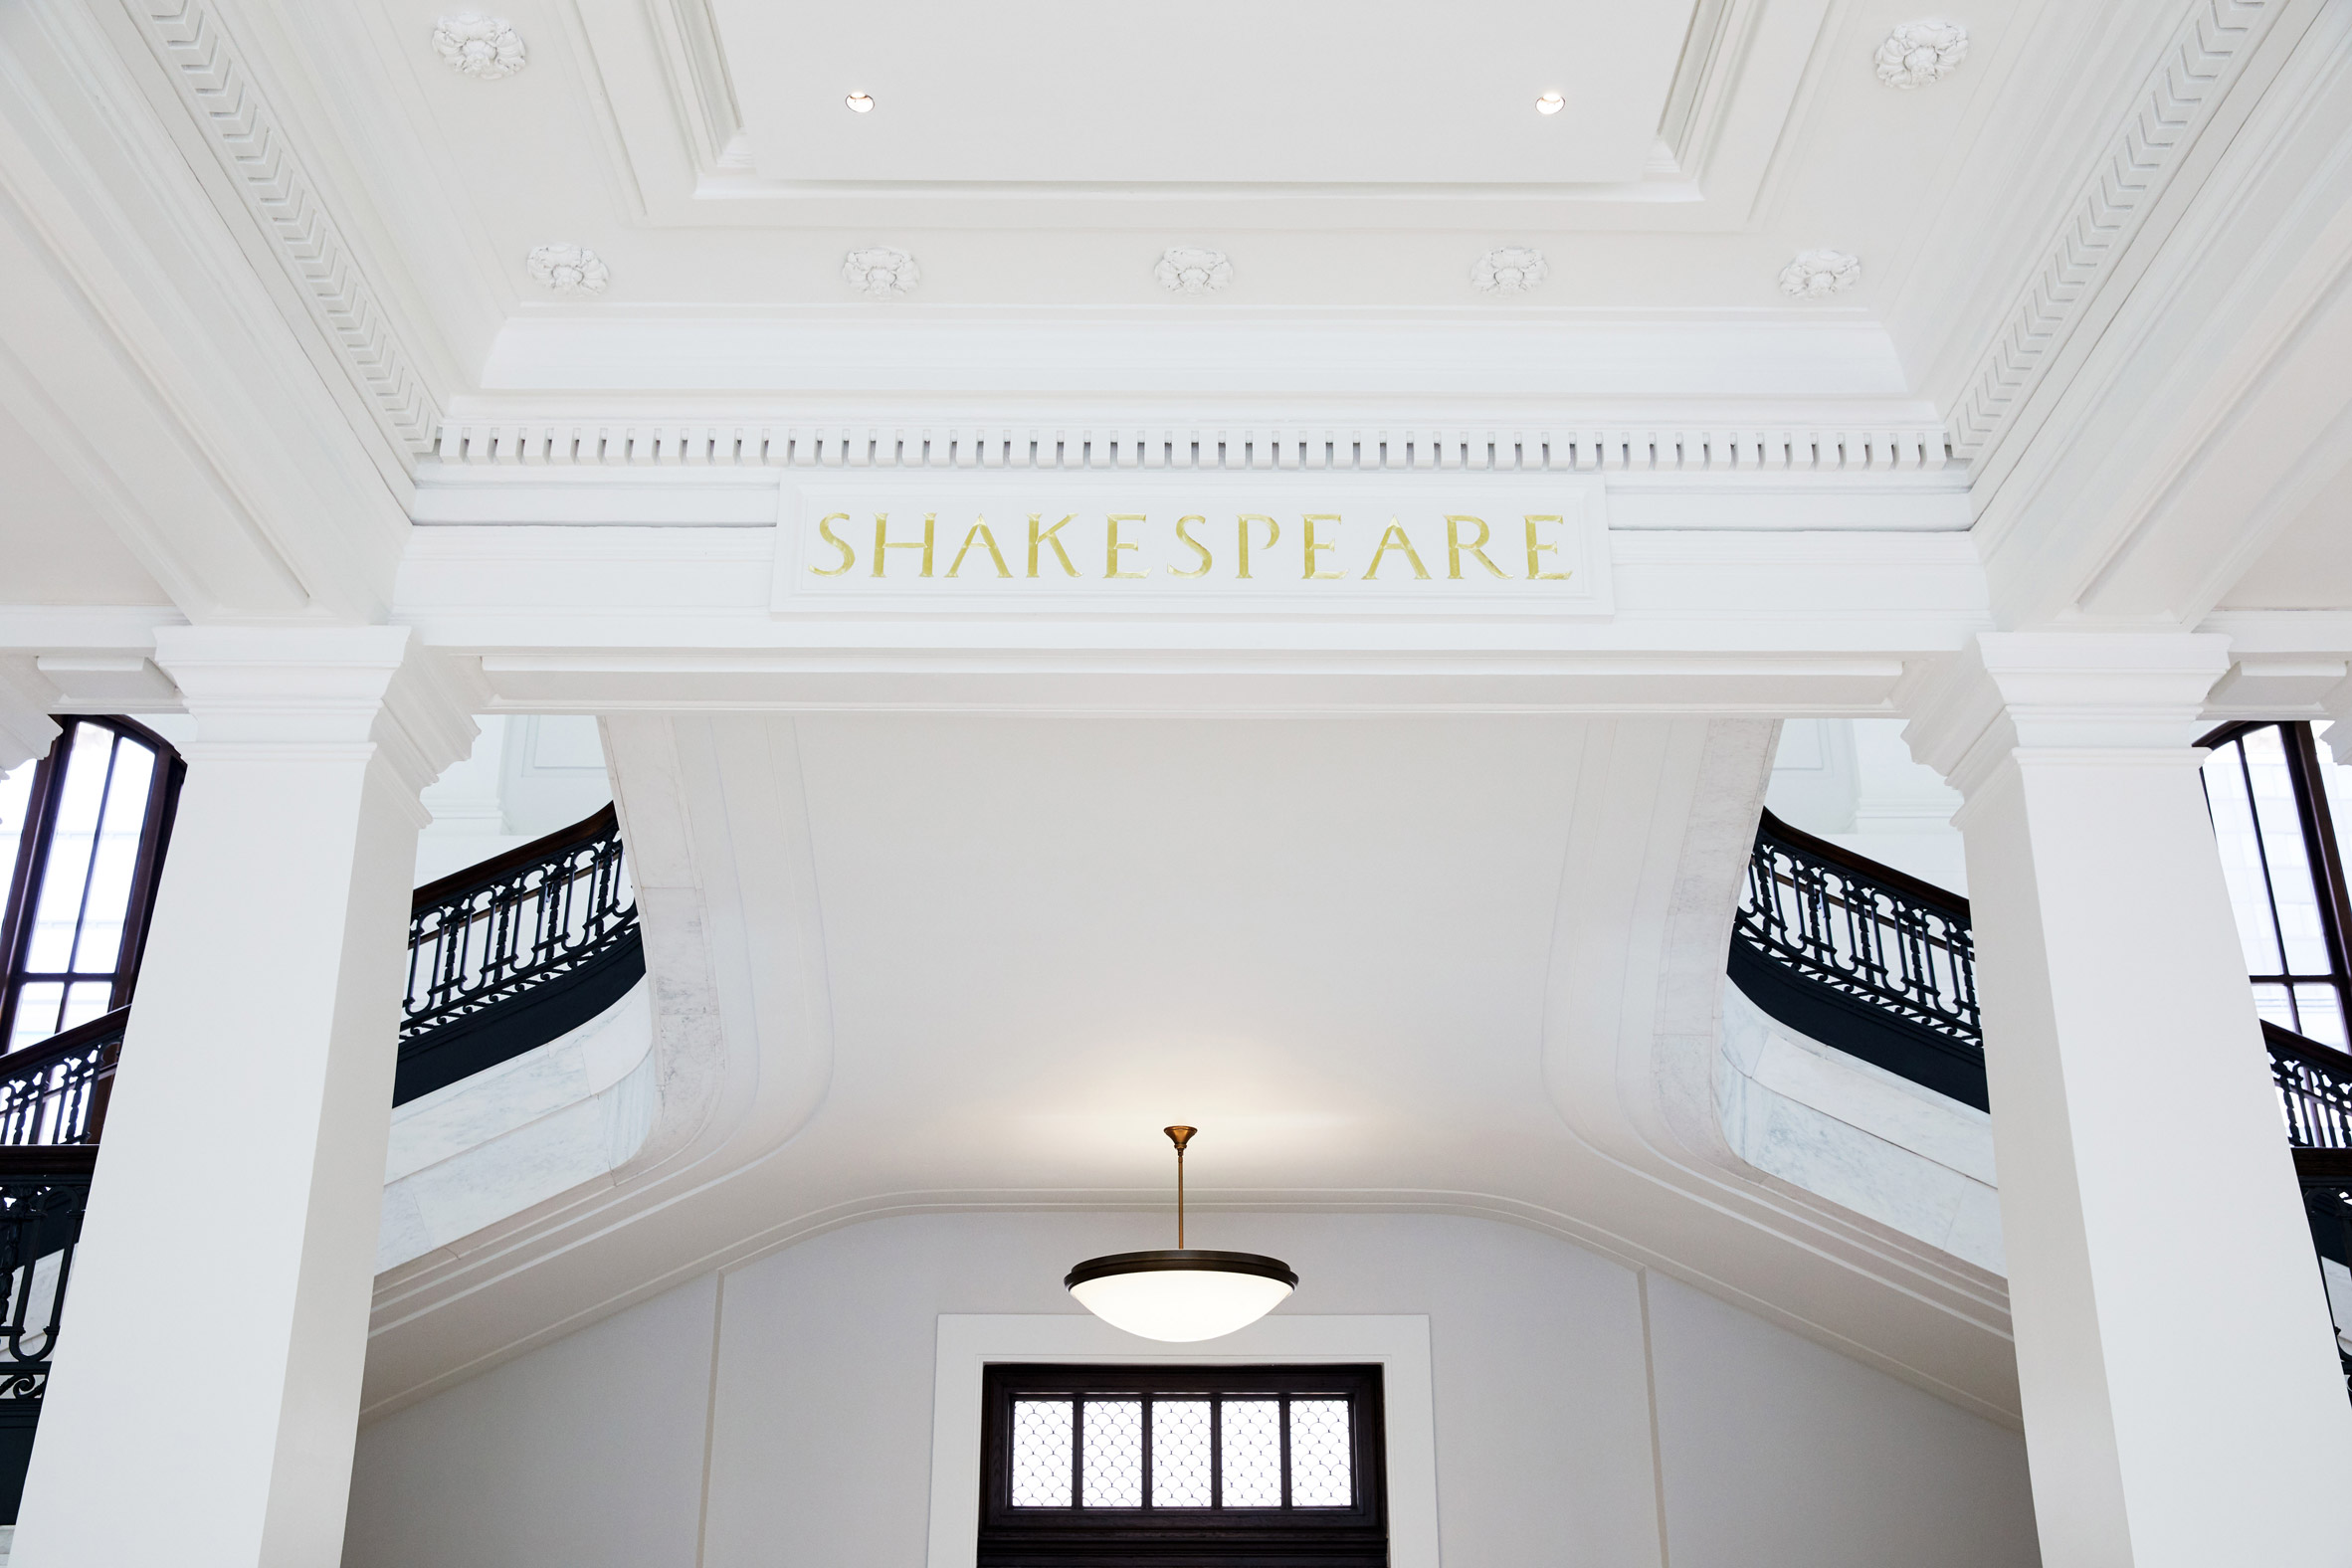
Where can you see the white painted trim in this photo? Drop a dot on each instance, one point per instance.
(1881, 442)
(1400, 1345)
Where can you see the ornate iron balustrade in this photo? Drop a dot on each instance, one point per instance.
(2314, 1088)
(506, 955)
(2314, 1084)
(1861, 957)
(56, 1092)
(53, 1107)
(43, 1194)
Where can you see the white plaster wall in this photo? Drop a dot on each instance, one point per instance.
(1852, 782)
(1778, 1454)
(584, 1454)
(810, 1402)
(526, 776)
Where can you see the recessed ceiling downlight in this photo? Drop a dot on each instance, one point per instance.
(861, 102)
(1183, 1294)
(1550, 103)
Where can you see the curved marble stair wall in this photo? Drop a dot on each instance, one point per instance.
(1829, 1124)
(563, 1115)
(1857, 1135)
(567, 1114)
(499, 1143)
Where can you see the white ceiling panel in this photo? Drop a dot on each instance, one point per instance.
(1223, 92)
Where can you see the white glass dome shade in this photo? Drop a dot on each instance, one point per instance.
(1183, 1294)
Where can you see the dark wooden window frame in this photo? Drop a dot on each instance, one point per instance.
(32, 859)
(1081, 1538)
(2303, 763)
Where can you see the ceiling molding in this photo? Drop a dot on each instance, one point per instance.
(1898, 445)
(672, 124)
(697, 64)
(2197, 65)
(217, 85)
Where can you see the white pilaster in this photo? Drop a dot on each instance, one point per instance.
(207, 1388)
(2182, 1401)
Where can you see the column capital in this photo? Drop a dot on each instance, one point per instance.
(25, 729)
(2338, 733)
(2114, 691)
(319, 691)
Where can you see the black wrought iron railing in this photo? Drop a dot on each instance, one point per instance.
(43, 1194)
(508, 955)
(2314, 1088)
(1861, 957)
(54, 1092)
(53, 1107)
(2314, 1084)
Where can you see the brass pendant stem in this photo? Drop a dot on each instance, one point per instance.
(1179, 1136)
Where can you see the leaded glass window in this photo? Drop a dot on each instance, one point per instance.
(2268, 788)
(1084, 1464)
(82, 836)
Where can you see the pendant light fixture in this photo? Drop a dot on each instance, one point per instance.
(1184, 1294)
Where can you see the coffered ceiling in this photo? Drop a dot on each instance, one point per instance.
(1056, 93)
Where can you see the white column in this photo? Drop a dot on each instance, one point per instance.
(206, 1394)
(2182, 1401)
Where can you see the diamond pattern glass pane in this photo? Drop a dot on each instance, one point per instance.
(1250, 1431)
(1320, 1456)
(1111, 1469)
(1041, 1453)
(1180, 1454)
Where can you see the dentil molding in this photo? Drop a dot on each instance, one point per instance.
(881, 271)
(1919, 52)
(2158, 127)
(568, 268)
(244, 134)
(1183, 270)
(1815, 274)
(1511, 269)
(1905, 448)
(482, 48)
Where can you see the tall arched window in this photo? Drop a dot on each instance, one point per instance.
(2276, 798)
(82, 837)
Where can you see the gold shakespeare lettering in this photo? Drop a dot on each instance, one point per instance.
(1036, 539)
(883, 544)
(848, 557)
(1113, 544)
(1315, 546)
(1273, 532)
(1194, 545)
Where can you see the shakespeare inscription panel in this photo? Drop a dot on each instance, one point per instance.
(1161, 546)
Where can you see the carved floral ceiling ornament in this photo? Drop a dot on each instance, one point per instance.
(1514, 269)
(1183, 270)
(1918, 53)
(1815, 274)
(566, 268)
(484, 48)
(881, 272)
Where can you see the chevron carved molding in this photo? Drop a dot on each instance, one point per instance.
(214, 82)
(2188, 81)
